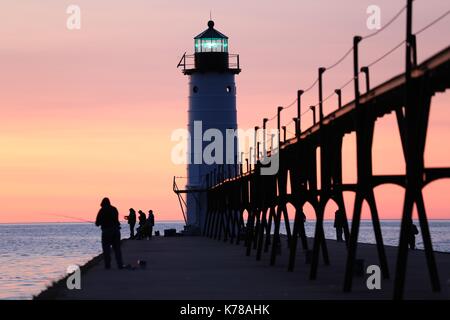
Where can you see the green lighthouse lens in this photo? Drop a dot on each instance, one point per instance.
(211, 45)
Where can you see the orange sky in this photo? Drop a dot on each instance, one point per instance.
(89, 113)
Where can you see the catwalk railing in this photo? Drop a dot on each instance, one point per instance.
(265, 197)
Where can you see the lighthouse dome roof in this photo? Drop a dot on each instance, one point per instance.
(211, 33)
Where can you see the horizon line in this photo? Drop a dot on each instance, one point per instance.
(181, 221)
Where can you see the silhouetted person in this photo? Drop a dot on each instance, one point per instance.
(108, 220)
(132, 222)
(302, 224)
(141, 229)
(339, 225)
(412, 236)
(302, 231)
(150, 223)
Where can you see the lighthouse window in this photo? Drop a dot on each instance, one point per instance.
(211, 45)
(195, 89)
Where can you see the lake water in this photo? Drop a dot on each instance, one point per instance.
(34, 255)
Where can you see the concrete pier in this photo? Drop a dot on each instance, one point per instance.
(202, 268)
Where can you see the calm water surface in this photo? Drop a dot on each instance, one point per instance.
(34, 255)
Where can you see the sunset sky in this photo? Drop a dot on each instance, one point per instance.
(89, 113)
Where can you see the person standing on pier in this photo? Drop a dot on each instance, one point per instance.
(412, 236)
(150, 224)
(339, 225)
(302, 231)
(142, 222)
(132, 222)
(108, 220)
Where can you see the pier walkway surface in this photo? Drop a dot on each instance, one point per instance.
(194, 268)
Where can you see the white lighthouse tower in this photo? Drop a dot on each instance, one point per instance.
(212, 105)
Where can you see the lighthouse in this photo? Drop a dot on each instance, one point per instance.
(212, 109)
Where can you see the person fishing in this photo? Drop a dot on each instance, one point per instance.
(150, 223)
(141, 228)
(108, 220)
(131, 218)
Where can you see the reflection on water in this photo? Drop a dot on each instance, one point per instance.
(34, 255)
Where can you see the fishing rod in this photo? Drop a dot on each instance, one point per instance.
(70, 217)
